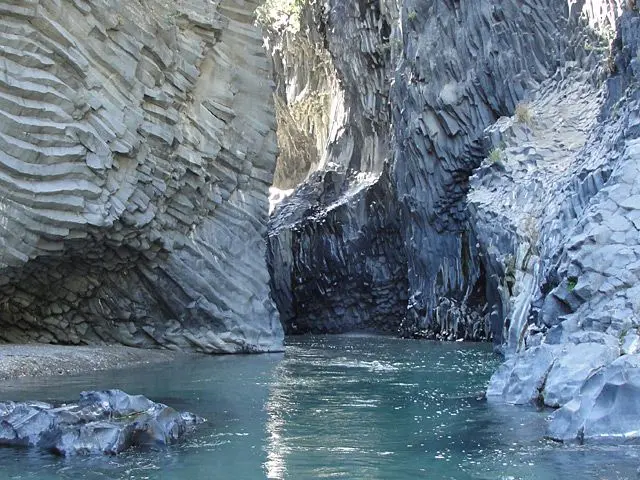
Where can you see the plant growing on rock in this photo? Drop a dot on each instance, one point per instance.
(496, 155)
(412, 16)
(523, 114)
(273, 13)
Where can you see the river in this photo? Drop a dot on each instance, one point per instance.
(347, 407)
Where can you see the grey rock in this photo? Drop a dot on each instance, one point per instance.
(359, 283)
(137, 146)
(572, 367)
(607, 408)
(105, 422)
(521, 380)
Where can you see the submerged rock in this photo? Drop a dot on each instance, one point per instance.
(104, 422)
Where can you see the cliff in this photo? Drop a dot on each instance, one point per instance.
(495, 143)
(137, 146)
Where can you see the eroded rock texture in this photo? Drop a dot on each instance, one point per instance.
(137, 146)
(106, 422)
(418, 84)
(564, 192)
(512, 190)
(337, 257)
(335, 249)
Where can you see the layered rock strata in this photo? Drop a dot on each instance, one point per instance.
(137, 145)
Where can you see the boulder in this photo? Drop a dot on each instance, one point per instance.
(102, 422)
(607, 408)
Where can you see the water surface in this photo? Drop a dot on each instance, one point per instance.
(350, 407)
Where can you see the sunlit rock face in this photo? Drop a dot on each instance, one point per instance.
(137, 145)
(335, 250)
(563, 191)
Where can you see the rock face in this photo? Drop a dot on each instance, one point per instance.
(106, 422)
(335, 249)
(418, 84)
(336, 256)
(607, 408)
(562, 189)
(137, 145)
(505, 149)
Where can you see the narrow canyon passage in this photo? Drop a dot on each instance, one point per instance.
(206, 176)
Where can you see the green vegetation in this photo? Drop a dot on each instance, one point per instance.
(280, 12)
(496, 155)
(571, 283)
(412, 15)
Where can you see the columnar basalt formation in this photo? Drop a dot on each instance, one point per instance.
(137, 145)
(335, 250)
(512, 185)
(574, 318)
(336, 256)
(419, 82)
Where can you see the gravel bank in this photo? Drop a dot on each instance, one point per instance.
(34, 360)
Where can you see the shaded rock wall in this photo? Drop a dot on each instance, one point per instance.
(137, 146)
(336, 256)
(511, 196)
(335, 252)
(419, 82)
(464, 64)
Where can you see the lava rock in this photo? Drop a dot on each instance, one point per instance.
(607, 408)
(102, 422)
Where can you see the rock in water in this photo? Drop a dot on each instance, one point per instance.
(607, 408)
(137, 147)
(105, 422)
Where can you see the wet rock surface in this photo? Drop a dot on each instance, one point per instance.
(106, 422)
(137, 146)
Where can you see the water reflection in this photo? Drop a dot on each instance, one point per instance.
(332, 407)
(381, 408)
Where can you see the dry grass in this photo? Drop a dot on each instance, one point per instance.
(523, 114)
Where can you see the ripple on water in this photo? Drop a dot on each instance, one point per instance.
(374, 408)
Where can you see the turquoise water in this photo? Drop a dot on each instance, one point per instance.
(346, 407)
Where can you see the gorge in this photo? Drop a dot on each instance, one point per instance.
(439, 169)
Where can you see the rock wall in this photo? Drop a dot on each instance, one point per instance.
(419, 82)
(137, 145)
(572, 338)
(335, 250)
(336, 256)
(464, 65)
(508, 205)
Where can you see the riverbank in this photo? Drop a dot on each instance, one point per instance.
(37, 360)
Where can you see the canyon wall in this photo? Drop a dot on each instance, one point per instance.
(500, 156)
(137, 146)
(418, 82)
